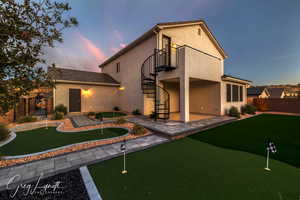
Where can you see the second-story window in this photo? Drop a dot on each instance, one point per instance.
(118, 67)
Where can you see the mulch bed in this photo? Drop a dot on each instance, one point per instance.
(69, 127)
(70, 186)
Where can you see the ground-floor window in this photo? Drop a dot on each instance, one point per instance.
(234, 93)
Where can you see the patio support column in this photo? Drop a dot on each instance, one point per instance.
(184, 90)
(184, 100)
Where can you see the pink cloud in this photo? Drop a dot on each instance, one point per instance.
(116, 49)
(122, 45)
(92, 48)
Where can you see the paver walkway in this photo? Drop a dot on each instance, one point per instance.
(81, 121)
(51, 166)
(176, 128)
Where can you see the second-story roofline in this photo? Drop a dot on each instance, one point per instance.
(159, 27)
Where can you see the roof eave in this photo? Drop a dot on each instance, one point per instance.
(87, 83)
(136, 42)
(237, 80)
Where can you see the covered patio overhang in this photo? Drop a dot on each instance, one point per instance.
(195, 100)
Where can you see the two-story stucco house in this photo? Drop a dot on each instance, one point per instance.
(175, 70)
(175, 67)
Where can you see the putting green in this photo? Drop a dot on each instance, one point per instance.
(43, 139)
(192, 169)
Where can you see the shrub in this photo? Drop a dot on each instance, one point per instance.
(58, 116)
(91, 114)
(61, 108)
(234, 112)
(136, 112)
(248, 109)
(27, 119)
(261, 104)
(152, 115)
(138, 130)
(116, 108)
(121, 121)
(99, 115)
(4, 132)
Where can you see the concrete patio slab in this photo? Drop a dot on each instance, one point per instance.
(172, 129)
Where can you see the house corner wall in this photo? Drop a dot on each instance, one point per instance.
(132, 96)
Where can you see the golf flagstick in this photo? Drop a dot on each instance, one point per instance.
(123, 149)
(46, 119)
(101, 118)
(124, 158)
(270, 148)
(267, 167)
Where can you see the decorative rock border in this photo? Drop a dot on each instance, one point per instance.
(89, 184)
(75, 147)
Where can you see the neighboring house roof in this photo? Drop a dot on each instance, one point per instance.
(161, 26)
(71, 75)
(276, 92)
(235, 79)
(256, 91)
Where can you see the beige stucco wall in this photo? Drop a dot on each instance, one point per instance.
(200, 65)
(101, 98)
(173, 89)
(227, 105)
(188, 35)
(130, 76)
(205, 97)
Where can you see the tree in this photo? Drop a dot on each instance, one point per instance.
(26, 28)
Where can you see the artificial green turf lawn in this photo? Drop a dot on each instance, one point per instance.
(191, 169)
(44, 139)
(112, 114)
(251, 134)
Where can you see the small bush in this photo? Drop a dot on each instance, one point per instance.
(136, 112)
(248, 109)
(58, 116)
(234, 112)
(4, 132)
(121, 121)
(91, 114)
(138, 130)
(27, 119)
(61, 108)
(99, 115)
(116, 108)
(152, 115)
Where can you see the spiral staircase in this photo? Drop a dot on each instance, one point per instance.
(158, 62)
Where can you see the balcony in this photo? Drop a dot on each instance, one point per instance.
(191, 62)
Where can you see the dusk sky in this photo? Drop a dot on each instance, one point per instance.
(261, 37)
